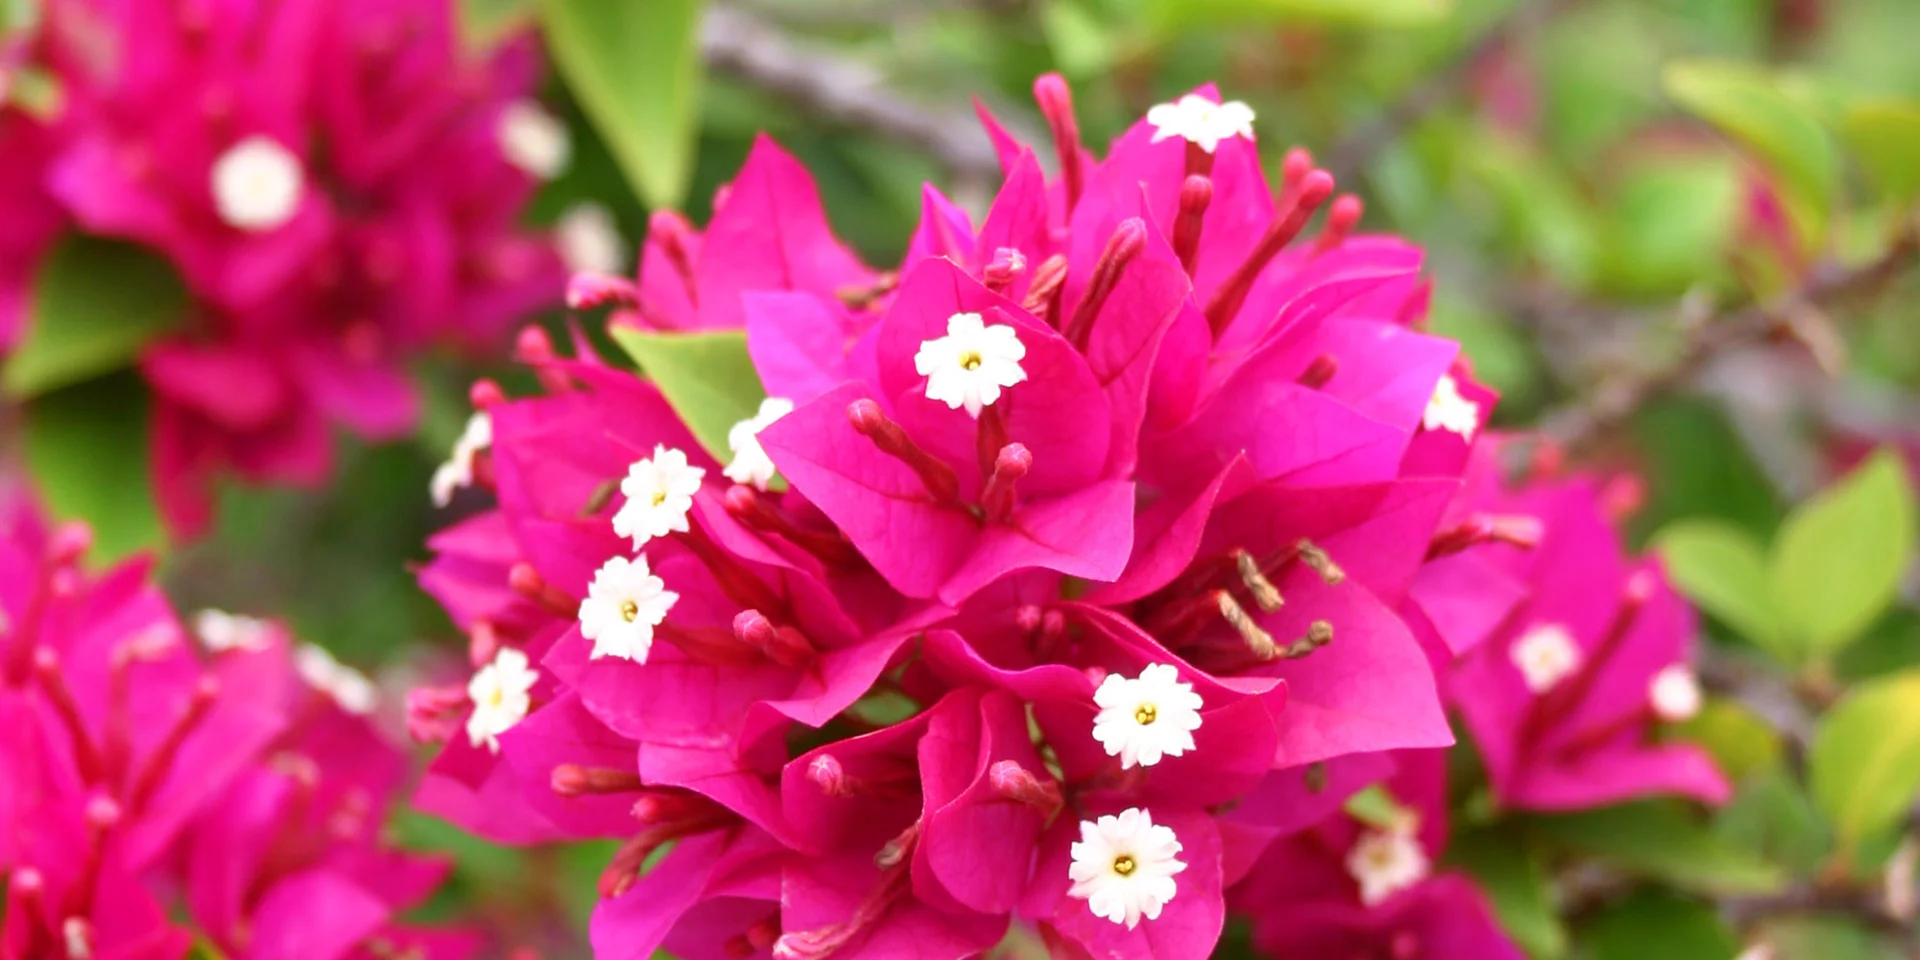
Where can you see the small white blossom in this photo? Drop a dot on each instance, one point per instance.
(533, 139)
(624, 603)
(750, 462)
(1448, 410)
(257, 184)
(1675, 693)
(1124, 865)
(1385, 862)
(502, 694)
(1143, 719)
(220, 631)
(457, 472)
(589, 241)
(348, 687)
(78, 935)
(971, 364)
(1546, 655)
(1200, 121)
(659, 492)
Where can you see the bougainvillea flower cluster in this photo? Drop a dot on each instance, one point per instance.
(1068, 580)
(161, 784)
(271, 153)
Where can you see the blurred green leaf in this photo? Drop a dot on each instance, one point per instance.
(1181, 14)
(636, 70)
(485, 23)
(1772, 817)
(1740, 741)
(1518, 886)
(1839, 557)
(1750, 105)
(1697, 466)
(1884, 136)
(1663, 839)
(1376, 807)
(707, 378)
(1864, 764)
(94, 304)
(1671, 221)
(1825, 938)
(1545, 214)
(1721, 568)
(1655, 925)
(86, 447)
(1082, 41)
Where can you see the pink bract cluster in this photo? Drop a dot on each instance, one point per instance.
(160, 786)
(336, 182)
(1068, 582)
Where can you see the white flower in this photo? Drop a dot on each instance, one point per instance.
(220, 631)
(1546, 655)
(501, 694)
(1675, 693)
(257, 184)
(589, 241)
(1123, 866)
(1385, 862)
(1142, 719)
(457, 472)
(971, 364)
(533, 139)
(1448, 410)
(1201, 121)
(659, 492)
(348, 687)
(624, 603)
(750, 463)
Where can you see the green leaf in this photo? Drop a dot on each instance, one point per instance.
(1884, 136)
(635, 68)
(1825, 938)
(1181, 14)
(94, 304)
(86, 447)
(1740, 741)
(1838, 560)
(485, 23)
(1864, 764)
(1772, 818)
(707, 378)
(1655, 925)
(1663, 839)
(1671, 221)
(1518, 886)
(1721, 568)
(1376, 807)
(1082, 41)
(1752, 107)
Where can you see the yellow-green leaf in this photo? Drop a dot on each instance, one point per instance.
(1751, 106)
(95, 304)
(635, 68)
(1838, 560)
(1864, 764)
(1884, 136)
(1178, 14)
(1721, 568)
(707, 378)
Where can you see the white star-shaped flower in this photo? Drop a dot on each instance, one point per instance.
(533, 139)
(1145, 718)
(624, 603)
(1201, 121)
(1675, 693)
(659, 492)
(750, 462)
(257, 184)
(348, 687)
(457, 472)
(502, 694)
(971, 364)
(1124, 865)
(589, 241)
(220, 631)
(1546, 655)
(1385, 862)
(1448, 410)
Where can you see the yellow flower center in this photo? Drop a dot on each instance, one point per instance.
(1123, 864)
(629, 610)
(1146, 713)
(659, 497)
(970, 360)
(495, 697)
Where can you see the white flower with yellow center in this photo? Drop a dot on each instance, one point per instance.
(1546, 655)
(257, 184)
(589, 241)
(1200, 121)
(457, 472)
(348, 687)
(1675, 693)
(1123, 866)
(502, 694)
(533, 139)
(750, 462)
(1448, 410)
(624, 603)
(1385, 862)
(659, 492)
(220, 631)
(971, 364)
(1147, 717)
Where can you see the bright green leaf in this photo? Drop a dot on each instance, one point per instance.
(1864, 764)
(1177, 14)
(1376, 807)
(1839, 557)
(1518, 886)
(707, 378)
(1663, 839)
(86, 448)
(1655, 925)
(94, 304)
(1740, 741)
(1721, 568)
(1082, 41)
(635, 68)
(1884, 136)
(1671, 221)
(1752, 107)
